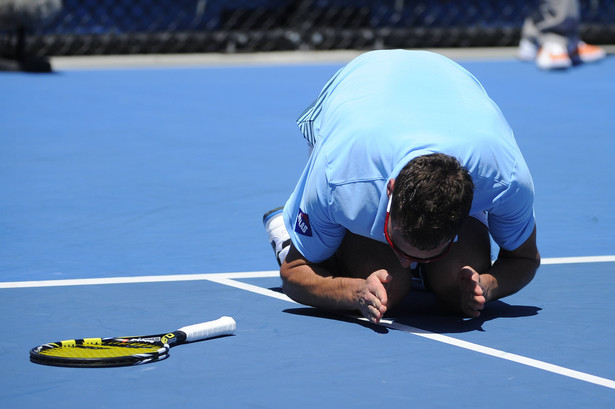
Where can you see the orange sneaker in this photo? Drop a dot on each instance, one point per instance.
(588, 53)
(553, 56)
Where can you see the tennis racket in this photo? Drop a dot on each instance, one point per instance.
(125, 351)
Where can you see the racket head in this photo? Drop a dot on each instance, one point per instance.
(103, 352)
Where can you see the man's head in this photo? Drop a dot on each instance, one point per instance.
(431, 198)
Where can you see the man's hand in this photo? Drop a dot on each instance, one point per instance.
(472, 297)
(372, 298)
(371, 280)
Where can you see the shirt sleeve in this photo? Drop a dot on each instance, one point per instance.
(308, 218)
(512, 219)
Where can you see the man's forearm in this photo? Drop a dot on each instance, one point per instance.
(312, 285)
(512, 270)
(507, 276)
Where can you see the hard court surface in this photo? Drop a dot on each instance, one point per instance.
(131, 203)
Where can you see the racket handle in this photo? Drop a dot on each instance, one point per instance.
(210, 329)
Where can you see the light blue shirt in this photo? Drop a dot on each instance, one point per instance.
(375, 115)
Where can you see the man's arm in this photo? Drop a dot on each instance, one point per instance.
(512, 271)
(312, 284)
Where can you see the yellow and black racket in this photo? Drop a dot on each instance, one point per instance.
(125, 351)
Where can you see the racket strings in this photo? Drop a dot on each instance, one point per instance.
(101, 351)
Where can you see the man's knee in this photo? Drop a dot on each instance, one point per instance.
(360, 256)
(473, 248)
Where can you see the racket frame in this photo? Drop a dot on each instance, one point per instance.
(161, 342)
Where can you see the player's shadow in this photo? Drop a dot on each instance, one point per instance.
(421, 310)
(314, 312)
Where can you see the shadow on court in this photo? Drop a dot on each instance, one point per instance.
(421, 310)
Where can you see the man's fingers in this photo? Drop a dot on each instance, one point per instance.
(382, 297)
(375, 285)
(467, 273)
(378, 305)
(374, 299)
(375, 314)
(381, 293)
(384, 276)
(478, 304)
(473, 300)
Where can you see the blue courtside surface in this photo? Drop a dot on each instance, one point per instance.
(152, 172)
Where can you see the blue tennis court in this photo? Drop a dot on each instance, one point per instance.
(131, 204)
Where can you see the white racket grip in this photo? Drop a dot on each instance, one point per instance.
(210, 329)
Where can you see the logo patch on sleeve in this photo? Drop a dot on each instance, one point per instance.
(302, 225)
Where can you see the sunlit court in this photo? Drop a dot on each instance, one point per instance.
(133, 192)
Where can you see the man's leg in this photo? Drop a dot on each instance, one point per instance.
(360, 256)
(549, 33)
(473, 248)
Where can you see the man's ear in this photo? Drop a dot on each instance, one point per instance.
(390, 187)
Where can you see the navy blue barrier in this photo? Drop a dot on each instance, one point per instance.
(178, 26)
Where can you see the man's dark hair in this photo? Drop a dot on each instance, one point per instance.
(432, 197)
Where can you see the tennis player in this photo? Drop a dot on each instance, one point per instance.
(412, 168)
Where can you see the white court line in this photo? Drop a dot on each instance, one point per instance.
(138, 279)
(229, 280)
(573, 260)
(560, 370)
(252, 288)
(253, 274)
